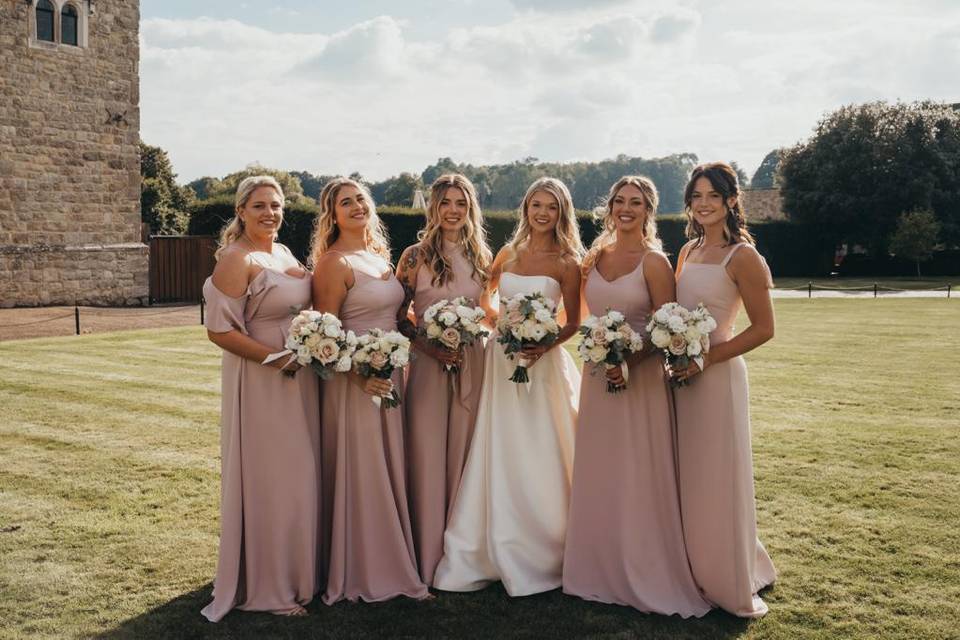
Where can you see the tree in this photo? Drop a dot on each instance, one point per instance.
(442, 166)
(868, 163)
(742, 177)
(203, 187)
(765, 177)
(916, 236)
(399, 191)
(292, 189)
(312, 184)
(163, 203)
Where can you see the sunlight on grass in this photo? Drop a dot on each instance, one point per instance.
(109, 486)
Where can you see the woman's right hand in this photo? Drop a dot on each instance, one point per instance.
(440, 354)
(373, 385)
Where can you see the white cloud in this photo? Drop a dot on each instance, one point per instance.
(557, 80)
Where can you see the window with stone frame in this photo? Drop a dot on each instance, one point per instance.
(45, 13)
(69, 25)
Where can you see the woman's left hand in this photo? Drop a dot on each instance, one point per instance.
(682, 375)
(533, 353)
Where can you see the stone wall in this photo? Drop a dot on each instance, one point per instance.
(69, 161)
(763, 204)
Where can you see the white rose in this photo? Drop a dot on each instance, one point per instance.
(448, 318)
(351, 338)
(312, 340)
(615, 316)
(660, 338)
(303, 354)
(611, 336)
(598, 354)
(343, 364)
(292, 343)
(315, 316)
(591, 322)
(465, 313)
(434, 331)
(691, 334)
(636, 343)
(693, 348)
(361, 356)
(331, 331)
(537, 333)
(676, 324)
(399, 358)
(662, 316)
(542, 315)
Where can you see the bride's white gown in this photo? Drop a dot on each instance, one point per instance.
(510, 516)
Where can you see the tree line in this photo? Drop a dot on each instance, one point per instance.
(875, 178)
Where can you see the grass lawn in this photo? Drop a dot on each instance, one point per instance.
(109, 486)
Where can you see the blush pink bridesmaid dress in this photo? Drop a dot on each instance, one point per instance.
(625, 537)
(715, 457)
(368, 545)
(441, 412)
(270, 457)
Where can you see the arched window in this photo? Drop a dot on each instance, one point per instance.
(45, 20)
(68, 25)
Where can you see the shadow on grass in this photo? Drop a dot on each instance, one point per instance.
(485, 614)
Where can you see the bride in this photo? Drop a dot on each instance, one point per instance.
(510, 516)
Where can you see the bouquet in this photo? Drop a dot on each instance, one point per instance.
(378, 354)
(608, 340)
(318, 340)
(528, 320)
(682, 334)
(451, 324)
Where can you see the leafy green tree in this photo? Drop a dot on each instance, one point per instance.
(312, 184)
(292, 189)
(916, 236)
(434, 171)
(865, 164)
(399, 190)
(203, 187)
(765, 177)
(741, 175)
(163, 203)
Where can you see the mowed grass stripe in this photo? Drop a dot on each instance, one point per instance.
(856, 454)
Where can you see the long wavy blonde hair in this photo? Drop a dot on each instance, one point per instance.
(567, 232)
(608, 231)
(232, 231)
(473, 235)
(326, 231)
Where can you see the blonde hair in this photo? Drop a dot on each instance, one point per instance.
(473, 235)
(567, 232)
(232, 231)
(608, 230)
(326, 231)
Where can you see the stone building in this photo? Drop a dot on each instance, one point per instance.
(69, 156)
(763, 204)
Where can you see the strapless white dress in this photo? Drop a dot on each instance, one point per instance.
(510, 517)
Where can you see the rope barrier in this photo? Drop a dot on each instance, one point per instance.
(24, 324)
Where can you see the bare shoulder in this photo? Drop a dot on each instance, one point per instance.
(657, 263)
(231, 275)
(330, 264)
(747, 257)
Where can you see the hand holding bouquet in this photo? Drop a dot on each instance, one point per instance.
(316, 339)
(683, 335)
(608, 340)
(377, 355)
(452, 324)
(528, 320)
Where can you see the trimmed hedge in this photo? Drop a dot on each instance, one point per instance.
(791, 249)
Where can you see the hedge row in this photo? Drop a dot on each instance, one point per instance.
(790, 249)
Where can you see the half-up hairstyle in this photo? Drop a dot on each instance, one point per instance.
(473, 235)
(567, 232)
(232, 231)
(724, 181)
(608, 230)
(326, 231)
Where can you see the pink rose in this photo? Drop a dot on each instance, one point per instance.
(378, 359)
(327, 351)
(515, 317)
(678, 345)
(599, 335)
(450, 338)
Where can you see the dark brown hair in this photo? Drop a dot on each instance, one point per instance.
(724, 181)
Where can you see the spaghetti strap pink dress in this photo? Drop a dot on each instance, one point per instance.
(625, 537)
(368, 544)
(715, 457)
(441, 412)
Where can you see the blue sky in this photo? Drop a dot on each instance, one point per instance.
(382, 87)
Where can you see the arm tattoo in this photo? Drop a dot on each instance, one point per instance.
(404, 325)
(413, 255)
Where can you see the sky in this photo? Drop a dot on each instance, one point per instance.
(381, 86)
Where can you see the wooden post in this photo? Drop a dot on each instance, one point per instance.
(809, 289)
(874, 289)
(201, 309)
(948, 291)
(76, 317)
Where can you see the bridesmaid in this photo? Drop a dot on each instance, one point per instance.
(452, 259)
(368, 545)
(625, 537)
(720, 267)
(270, 429)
